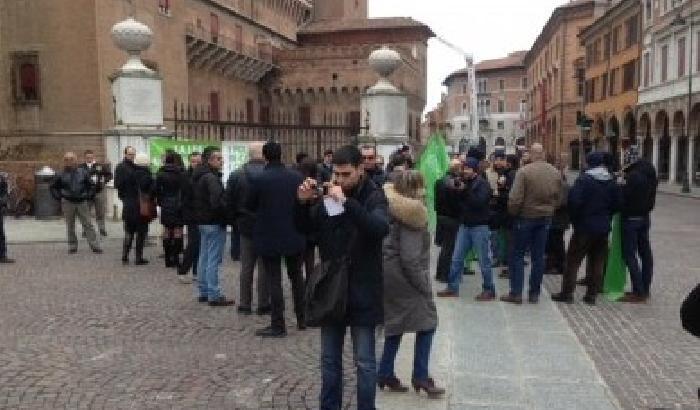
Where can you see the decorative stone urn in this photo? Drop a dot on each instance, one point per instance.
(133, 37)
(384, 61)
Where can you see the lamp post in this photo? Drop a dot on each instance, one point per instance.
(680, 21)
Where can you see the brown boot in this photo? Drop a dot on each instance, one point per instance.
(393, 384)
(447, 294)
(632, 298)
(514, 299)
(486, 296)
(429, 387)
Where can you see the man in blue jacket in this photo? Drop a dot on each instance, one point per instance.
(593, 200)
(473, 194)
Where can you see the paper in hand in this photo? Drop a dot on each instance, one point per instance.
(333, 207)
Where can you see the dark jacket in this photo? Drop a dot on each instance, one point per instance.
(209, 205)
(593, 200)
(237, 191)
(122, 174)
(560, 219)
(188, 198)
(639, 191)
(377, 176)
(272, 198)
(325, 172)
(135, 179)
(3, 193)
(499, 201)
(73, 185)
(447, 210)
(473, 198)
(101, 174)
(366, 218)
(690, 312)
(171, 182)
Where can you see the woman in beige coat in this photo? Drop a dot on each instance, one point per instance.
(408, 294)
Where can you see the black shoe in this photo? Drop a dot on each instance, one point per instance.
(202, 299)
(271, 332)
(221, 302)
(589, 300)
(468, 272)
(301, 325)
(141, 262)
(533, 299)
(7, 260)
(73, 251)
(97, 250)
(245, 310)
(103, 232)
(563, 297)
(582, 282)
(264, 310)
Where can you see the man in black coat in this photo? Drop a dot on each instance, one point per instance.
(369, 163)
(237, 191)
(190, 256)
(271, 198)
(356, 233)
(74, 188)
(639, 199)
(3, 205)
(448, 211)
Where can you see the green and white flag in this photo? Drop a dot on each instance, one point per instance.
(433, 164)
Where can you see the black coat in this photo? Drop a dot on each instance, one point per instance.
(188, 198)
(237, 191)
(73, 185)
(473, 199)
(132, 180)
(592, 204)
(209, 202)
(690, 312)
(365, 217)
(447, 210)
(3, 193)
(378, 176)
(272, 198)
(639, 191)
(325, 173)
(171, 183)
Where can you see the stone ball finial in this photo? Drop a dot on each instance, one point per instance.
(133, 37)
(384, 61)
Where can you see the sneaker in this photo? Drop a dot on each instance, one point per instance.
(221, 302)
(447, 294)
(7, 260)
(486, 296)
(514, 299)
(563, 297)
(184, 279)
(272, 332)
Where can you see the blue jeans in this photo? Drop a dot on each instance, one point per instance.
(476, 237)
(635, 240)
(528, 233)
(421, 355)
(363, 343)
(211, 248)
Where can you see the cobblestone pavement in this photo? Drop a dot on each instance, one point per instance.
(641, 350)
(82, 331)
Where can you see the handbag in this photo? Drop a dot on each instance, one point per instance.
(326, 295)
(148, 209)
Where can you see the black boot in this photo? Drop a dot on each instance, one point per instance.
(178, 246)
(126, 247)
(140, 243)
(168, 249)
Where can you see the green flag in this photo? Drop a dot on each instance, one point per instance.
(433, 165)
(616, 271)
(158, 147)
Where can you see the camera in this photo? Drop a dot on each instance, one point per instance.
(320, 190)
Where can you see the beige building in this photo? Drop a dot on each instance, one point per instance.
(234, 65)
(501, 103)
(555, 75)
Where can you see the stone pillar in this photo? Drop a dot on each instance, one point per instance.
(655, 152)
(384, 107)
(674, 160)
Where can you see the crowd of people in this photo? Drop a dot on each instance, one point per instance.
(354, 238)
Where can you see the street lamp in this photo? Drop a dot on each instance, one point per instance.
(679, 21)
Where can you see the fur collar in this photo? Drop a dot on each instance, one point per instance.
(408, 211)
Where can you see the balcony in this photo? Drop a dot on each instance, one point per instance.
(229, 57)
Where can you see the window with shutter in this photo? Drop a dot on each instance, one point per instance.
(26, 78)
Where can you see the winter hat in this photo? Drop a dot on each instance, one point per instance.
(472, 163)
(631, 156)
(595, 159)
(141, 159)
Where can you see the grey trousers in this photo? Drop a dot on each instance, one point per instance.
(100, 203)
(80, 210)
(248, 261)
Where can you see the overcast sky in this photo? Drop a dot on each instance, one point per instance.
(486, 28)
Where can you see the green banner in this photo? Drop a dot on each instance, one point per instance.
(616, 270)
(433, 164)
(158, 147)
